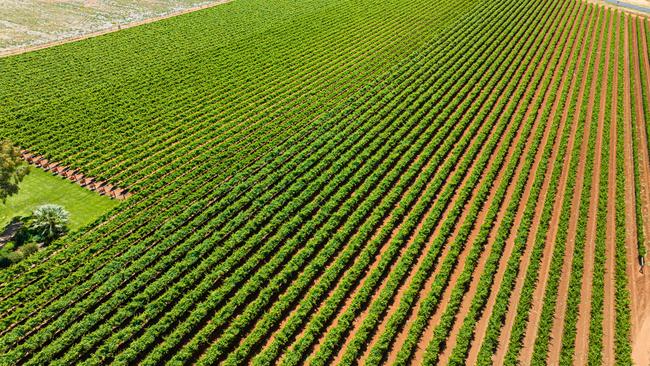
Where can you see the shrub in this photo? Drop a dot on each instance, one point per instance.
(28, 249)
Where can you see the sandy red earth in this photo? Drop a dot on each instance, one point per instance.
(606, 46)
(598, 46)
(640, 281)
(482, 326)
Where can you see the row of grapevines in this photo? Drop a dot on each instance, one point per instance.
(597, 295)
(567, 350)
(622, 324)
(459, 352)
(462, 283)
(525, 302)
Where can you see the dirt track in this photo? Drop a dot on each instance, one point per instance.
(629, 6)
(639, 282)
(610, 247)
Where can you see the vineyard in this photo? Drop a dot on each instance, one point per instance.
(339, 182)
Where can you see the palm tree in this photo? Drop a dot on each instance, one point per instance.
(50, 222)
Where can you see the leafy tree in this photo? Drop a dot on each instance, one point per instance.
(49, 222)
(12, 169)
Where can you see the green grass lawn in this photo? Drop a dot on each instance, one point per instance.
(41, 187)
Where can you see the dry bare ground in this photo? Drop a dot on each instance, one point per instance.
(481, 327)
(639, 282)
(36, 24)
(637, 7)
(610, 248)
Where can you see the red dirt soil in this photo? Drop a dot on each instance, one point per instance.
(435, 319)
(482, 324)
(609, 312)
(584, 309)
(639, 282)
(514, 300)
(401, 337)
(507, 251)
